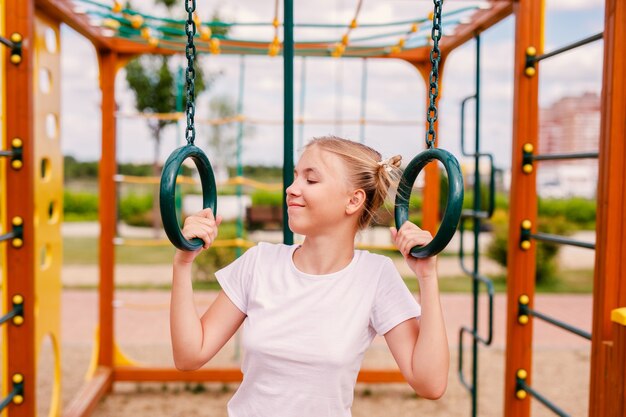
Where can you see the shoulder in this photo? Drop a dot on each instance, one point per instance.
(270, 251)
(374, 263)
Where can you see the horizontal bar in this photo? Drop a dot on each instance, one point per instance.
(138, 374)
(543, 400)
(555, 322)
(9, 398)
(566, 48)
(7, 42)
(560, 156)
(545, 237)
(8, 236)
(7, 153)
(9, 315)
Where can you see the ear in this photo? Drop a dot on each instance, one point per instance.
(357, 200)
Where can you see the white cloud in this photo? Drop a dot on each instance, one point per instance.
(566, 5)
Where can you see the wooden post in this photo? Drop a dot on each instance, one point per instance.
(430, 207)
(610, 275)
(20, 261)
(523, 205)
(108, 63)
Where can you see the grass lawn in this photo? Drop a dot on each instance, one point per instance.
(84, 251)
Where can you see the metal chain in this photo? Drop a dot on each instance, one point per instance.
(190, 74)
(433, 88)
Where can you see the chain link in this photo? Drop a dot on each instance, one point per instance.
(433, 88)
(190, 74)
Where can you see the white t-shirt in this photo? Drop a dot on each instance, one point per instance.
(305, 335)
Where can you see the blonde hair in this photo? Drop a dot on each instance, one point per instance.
(366, 170)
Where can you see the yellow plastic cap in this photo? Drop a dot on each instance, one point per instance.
(17, 299)
(531, 50)
(16, 59)
(619, 316)
(17, 164)
(205, 33)
(154, 42)
(18, 320)
(395, 49)
(145, 33)
(117, 7)
(136, 21)
(527, 168)
(353, 24)
(530, 71)
(524, 299)
(17, 221)
(525, 245)
(345, 39)
(521, 394)
(431, 16)
(526, 224)
(16, 37)
(17, 143)
(401, 42)
(528, 148)
(522, 374)
(275, 23)
(18, 399)
(17, 242)
(523, 319)
(18, 378)
(414, 27)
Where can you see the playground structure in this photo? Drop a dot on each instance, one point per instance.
(32, 202)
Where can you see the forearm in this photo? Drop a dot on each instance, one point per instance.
(431, 356)
(185, 326)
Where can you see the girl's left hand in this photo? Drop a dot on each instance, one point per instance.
(405, 238)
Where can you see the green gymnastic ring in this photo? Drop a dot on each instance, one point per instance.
(168, 193)
(454, 206)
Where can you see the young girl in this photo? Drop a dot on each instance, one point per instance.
(310, 311)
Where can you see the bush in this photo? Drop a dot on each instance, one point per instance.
(267, 198)
(136, 209)
(546, 267)
(578, 211)
(80, 206)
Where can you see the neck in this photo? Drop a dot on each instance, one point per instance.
(325, 254)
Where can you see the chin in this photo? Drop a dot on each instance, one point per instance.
(298, 228)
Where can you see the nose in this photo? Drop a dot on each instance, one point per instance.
(293, 189)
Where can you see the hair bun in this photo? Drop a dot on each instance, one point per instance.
(395, 161)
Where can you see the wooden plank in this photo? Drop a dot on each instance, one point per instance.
(129, 373)
(18, 107)
(108, 62)
(523, 206)
(90, 394)
(610, 276)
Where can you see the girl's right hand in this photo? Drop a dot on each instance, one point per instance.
(201, 225)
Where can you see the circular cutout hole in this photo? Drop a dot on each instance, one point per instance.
(52, 126)
(52, 212)
(50, 39)
(45, 169)
(45, 80)
(48, 373)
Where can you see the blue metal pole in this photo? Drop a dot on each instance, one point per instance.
(302, 102)
(288, 164)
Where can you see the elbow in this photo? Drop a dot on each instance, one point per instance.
(431, 390)
(186, 365)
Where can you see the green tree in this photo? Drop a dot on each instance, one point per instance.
(151, 80)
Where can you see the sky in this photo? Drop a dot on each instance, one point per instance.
(395, 91)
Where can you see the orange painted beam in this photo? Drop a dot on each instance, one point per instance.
(480, 22)
(88, 397)
(18, 108)
(523, 206)
(430, 206)
(108, 64)
(610, 275)
(128, 373)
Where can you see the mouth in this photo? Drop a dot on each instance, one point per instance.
(292, 205)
